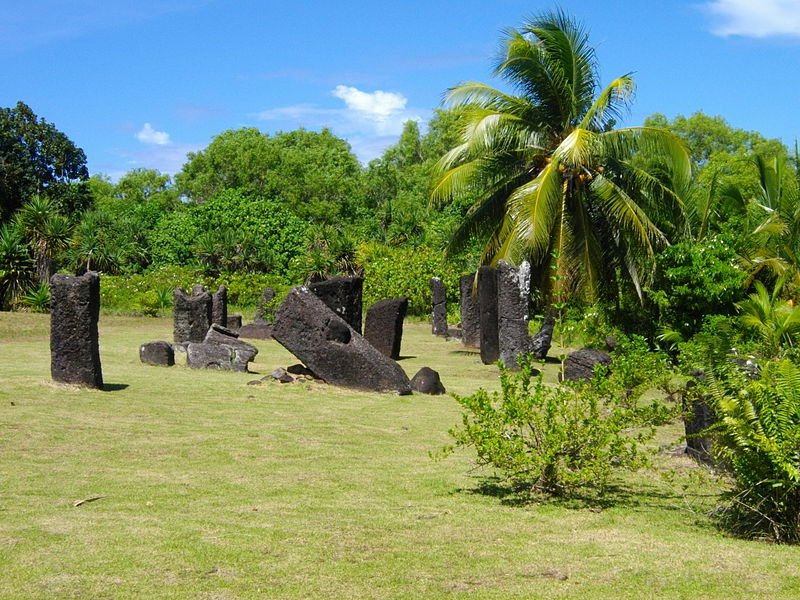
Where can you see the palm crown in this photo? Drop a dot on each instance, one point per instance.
(547, 176)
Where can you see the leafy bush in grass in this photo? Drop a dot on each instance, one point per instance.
(559, 440)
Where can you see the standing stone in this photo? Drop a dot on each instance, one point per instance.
(219, 306)
(438, 307)
(541, 342)
(487, 304)
(513, 300)
(74, 347)
(697, 418)
(383, 327)
(333, 350)
(192, 314)
(470, 313)
(343, 296)
(159, 353)
(234, 322)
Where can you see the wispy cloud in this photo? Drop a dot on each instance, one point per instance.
(167, 159)
(148, 135)
(370, 121)
(755, 18)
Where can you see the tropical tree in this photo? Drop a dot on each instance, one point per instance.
(551, 180)
(15, 266)
(47, 232)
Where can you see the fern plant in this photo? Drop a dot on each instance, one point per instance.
(758, 441)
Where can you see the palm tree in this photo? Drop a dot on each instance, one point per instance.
(47, 232)
(549, 178)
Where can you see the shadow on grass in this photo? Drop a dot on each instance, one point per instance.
(114, 387)
(615, 495)
(405, 357)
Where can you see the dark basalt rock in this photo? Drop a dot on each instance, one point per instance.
(157, 353)
(438, 307)
(513, 300)
(343, 296)
(192, 314)
(543, 340)
(280, 374)
(332, 349)
(579, 365)
(211, 356)
(219, 306)
(697, 418)
(74, 313)
(243, 352)
(301, 369)
(234, 322)
(487, 305)
(383, 327)
(257, 330)
(470, 312)
(427, 381)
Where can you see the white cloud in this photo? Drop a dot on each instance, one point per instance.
(755, 18)
(148, 135)
(167, 159)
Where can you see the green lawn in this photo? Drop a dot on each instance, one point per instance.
(212, 488)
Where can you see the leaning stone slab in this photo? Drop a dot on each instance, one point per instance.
(541, 342)
(74, 346)
(579, 365)
(487, 305)
(513, 300)
(383, 327)
(470, 312)
(219, 306)
(438, 307)
(331, 348)
(192, 314)
(343, 296)
(157, 353)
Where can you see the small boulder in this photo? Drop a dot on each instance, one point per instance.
(281, 375)
(427, 381)
(579, 365)
(157, 353)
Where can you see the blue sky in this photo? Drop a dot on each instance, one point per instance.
(140, 84)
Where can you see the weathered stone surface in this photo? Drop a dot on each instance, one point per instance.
(219, 306)
(541, 342)
(211, 356)
(579, 365)
(301, 369)
(280, 374)
(332, 349)
(267, 296)
(438, 307)
(487, 305)
(192, 314)
(74, 347)
(343, 296)
(243, 352)
(234, 322)
(427, 381)
(513, 299)
(157, 353)
(697, 417)
(470, 312)
(383, 327)
(257, 330)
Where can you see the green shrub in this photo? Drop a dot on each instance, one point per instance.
(394, 272)
(37, 298)
(558, 440)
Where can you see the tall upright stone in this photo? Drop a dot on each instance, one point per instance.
(219, 306)
(438, 307)
(192, 315)
(487, 305)
(543, 339)
(383, 327)
(343, 296)
(74, 346)
(513, 300)
(470, 313)
(267, 296)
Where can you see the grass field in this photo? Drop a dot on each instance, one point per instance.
(203, 486)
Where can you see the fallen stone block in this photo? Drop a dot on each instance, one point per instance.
(579, 365)
(157, 353)
(332, 349)
(427, 381)
(244, 352)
